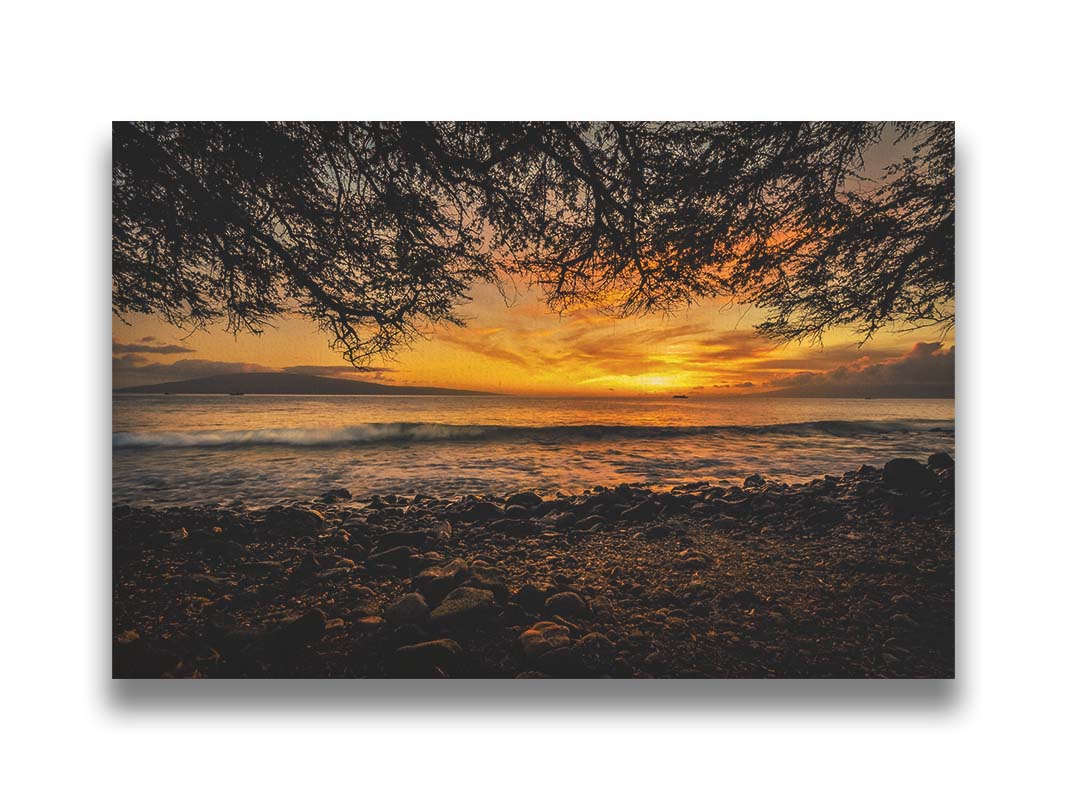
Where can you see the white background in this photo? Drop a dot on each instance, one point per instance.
(69, 69)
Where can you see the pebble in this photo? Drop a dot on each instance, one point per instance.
(566, 604)
(463, 605)
(396, 556)
(543, 637)
(531, 598)
(526, 499)
(411, 609)
(437, 581)
(481, 512)
(426, 657)
(297, 631)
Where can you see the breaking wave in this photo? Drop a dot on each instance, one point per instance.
(404, 432)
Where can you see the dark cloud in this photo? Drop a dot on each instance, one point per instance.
(134, 370)
(158, 349)
(127, 361)
(927, 370)
(731, 345)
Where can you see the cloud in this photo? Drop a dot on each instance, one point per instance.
(484, 342)
(159, 349)
(926, 370)
(615, 353)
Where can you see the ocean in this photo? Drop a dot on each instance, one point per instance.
(261, 450)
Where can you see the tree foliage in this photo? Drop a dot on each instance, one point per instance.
(377, 230)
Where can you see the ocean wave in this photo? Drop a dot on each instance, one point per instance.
(402, 432)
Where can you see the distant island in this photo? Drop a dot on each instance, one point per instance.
(286, 383)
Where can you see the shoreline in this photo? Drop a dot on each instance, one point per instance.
(848, 576)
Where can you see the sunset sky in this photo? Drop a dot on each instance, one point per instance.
(515, 345)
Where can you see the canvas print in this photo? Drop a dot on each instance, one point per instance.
(533, 400)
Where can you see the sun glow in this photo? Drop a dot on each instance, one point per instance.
(512, 344)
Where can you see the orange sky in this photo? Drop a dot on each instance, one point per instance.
(518, 346)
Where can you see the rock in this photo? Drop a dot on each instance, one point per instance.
(908, 475)
(589, 522)
(297, 631)
(436, 582)
(207, 583)
(564, 520)
(543, 637)
(261, 569)
(904, 621)
(645, 511)
(411, 609)
(414, 539)
(566, 604)
(425, 658)
(132, 657)
(602, 607)
(336, 495)
(396, 556)
(595, 653)
(368, 624)
(429, 559)
(481, 511)
(693, 558)
(295, 520)
(528, 500)
(737, 507)
(364, 602)
(483, 576)
(657, 532)
(744, 599)
(531, 598)
(217, 546)
(517, 512)
(465, 605)
(940, 461)
(755, 481)
(512, 527)
(560, 663)
(825, 512)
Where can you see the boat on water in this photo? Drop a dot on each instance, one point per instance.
(236, 394)
(681, 397)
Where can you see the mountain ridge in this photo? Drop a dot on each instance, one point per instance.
(288, 383)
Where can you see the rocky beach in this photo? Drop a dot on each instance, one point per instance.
(846, 576)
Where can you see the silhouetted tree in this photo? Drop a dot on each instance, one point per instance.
(377, 229)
